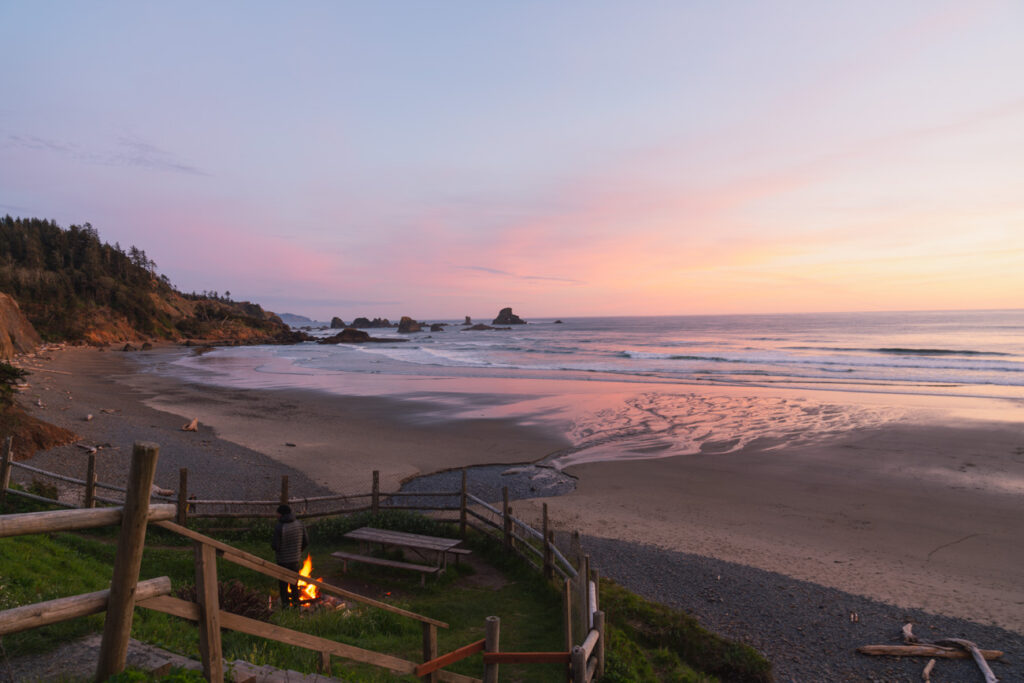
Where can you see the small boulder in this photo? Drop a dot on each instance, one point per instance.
(437, 327)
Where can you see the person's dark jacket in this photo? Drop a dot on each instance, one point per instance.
(290, 539)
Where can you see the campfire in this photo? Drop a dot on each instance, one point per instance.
(310, 596)
(308, 591)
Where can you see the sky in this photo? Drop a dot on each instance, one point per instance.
(441, 159)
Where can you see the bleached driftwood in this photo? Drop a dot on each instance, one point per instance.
(926, 675)
(925, 650)
(192, 426)
(964, 645)
(978, 655)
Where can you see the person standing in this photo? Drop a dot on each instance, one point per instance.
(289, 542)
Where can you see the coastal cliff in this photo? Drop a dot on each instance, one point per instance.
(72, 287)
(16, 333)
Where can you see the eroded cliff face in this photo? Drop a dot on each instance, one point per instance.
(16, 333)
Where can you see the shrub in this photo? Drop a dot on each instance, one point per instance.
(234, 597)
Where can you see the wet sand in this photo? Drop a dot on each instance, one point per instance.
(928, 516)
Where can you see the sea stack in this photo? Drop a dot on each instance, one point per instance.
(337, 323)
(407, 325)
(507, 317)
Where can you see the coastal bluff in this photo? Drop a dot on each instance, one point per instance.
(17, 335)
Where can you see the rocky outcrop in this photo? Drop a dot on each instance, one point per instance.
(437, 327)
(367, 323)
(337, 323)
(469, 321)
(350, 335)
(407, 325)
(507, 317)
(16, 333)
(481, 327)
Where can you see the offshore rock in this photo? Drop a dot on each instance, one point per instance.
(337, 323)
(353, 336)
(407, 325)
(469, 321)
(376, 322)
(507, 317)
(437, 327)
(481, 326)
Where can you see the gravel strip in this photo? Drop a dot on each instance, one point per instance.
(806, 630)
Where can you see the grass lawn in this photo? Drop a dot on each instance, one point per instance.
(645, 642)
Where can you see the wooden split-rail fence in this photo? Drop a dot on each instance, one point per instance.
(584, 661)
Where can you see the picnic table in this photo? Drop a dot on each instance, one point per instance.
(434, 550)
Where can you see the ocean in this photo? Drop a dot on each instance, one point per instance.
(621, 387)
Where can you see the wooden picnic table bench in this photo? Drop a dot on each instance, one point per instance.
(438, 547)
(384, 562)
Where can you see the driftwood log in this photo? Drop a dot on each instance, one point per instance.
(924, 650)
(976, 654)
(950, 648)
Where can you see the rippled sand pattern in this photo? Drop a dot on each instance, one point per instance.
(659, 425)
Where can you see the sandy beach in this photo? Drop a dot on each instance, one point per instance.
(925, 516)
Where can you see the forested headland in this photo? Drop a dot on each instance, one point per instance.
(74, 287)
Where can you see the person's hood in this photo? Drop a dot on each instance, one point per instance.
(290, 517)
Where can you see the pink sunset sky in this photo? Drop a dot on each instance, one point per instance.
(451, 158)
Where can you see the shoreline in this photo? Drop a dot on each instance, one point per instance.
(905, 514)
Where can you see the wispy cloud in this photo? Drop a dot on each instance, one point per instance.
(504, 273)
(128, 152)
(140, 153)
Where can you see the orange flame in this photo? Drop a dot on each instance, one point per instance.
(308, 590)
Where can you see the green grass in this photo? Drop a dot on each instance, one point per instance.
(647, 642)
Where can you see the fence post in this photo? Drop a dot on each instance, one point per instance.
(209, 613)
(429, 649)
(325, 663)
(375, 495)
(491, 644)
(568, 614)
(506, 516)
(183, 496)
(462, 507)
(584, 586)
(284, 489)
(548, 559)
(579, 665)
(5, 468)
(599, 626)
(90, 482)
(117, 624)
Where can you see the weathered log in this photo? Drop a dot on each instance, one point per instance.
(68, 520)
(976, 654)
(922, 650)
(61, 609)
